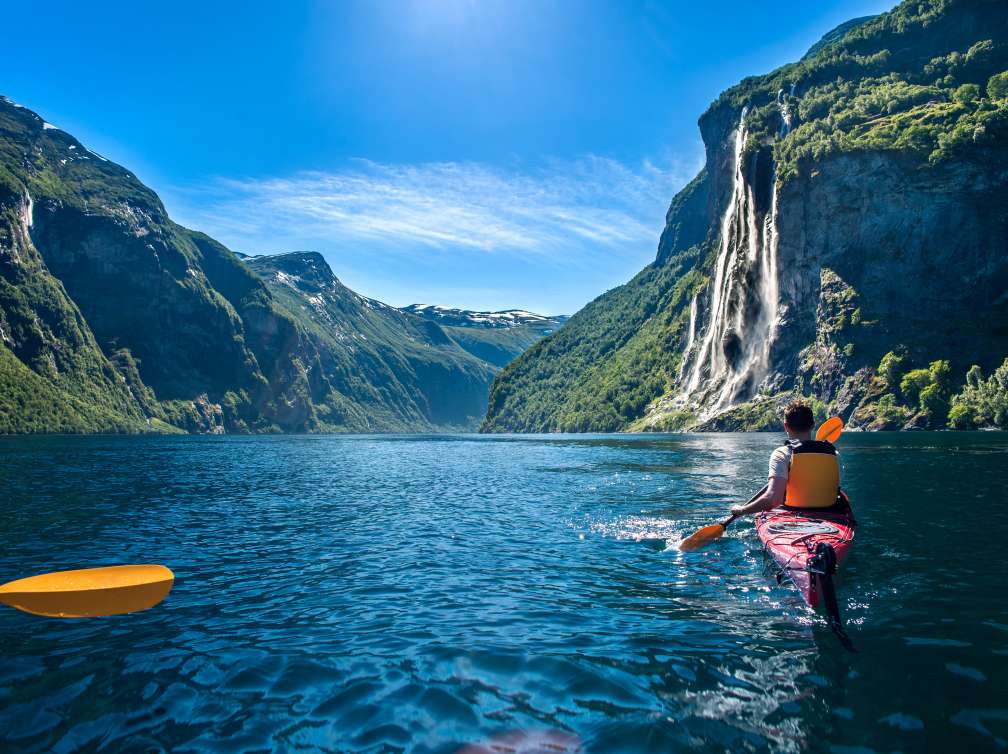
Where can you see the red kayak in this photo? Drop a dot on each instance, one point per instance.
(808, 546)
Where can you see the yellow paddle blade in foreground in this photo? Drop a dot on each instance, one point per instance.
(90, 592)
(830, 430)
(701, 537)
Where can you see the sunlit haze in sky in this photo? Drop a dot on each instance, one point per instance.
(485, 154)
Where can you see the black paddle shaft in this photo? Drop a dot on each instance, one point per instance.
(750, 500)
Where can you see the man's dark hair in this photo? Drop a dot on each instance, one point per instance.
(798, 416)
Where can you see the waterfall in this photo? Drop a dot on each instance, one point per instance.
(784, 104)
(692, 324)
(733, 356)
(691, 337)
(27, 211)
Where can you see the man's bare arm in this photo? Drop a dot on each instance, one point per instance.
(773, 497)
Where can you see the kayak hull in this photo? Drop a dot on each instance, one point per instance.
(791, 536)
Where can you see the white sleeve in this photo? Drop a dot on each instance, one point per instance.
(780, 463)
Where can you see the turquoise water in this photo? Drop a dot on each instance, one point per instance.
(505, 594)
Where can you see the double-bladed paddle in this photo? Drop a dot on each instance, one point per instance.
(90, 592)
(709, 533)
(828, 432)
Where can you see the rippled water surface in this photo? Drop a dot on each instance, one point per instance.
(488, 594)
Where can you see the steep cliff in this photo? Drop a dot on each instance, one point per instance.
(114, 318)
(852, 205)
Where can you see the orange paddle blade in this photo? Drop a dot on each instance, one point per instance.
(90, 592)
(830, 429)
(701, 537)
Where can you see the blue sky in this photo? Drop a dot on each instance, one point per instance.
(486, 154)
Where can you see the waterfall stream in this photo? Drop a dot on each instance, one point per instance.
(691, 337)
(27, 211)
(732, 358)
(786, 106)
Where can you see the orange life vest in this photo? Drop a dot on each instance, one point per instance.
(814, 475)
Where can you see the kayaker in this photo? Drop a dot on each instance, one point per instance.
(804, 473)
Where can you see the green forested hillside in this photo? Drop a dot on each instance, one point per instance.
(923, 80)
(608, 362)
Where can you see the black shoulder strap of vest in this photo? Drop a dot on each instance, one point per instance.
(815, 446)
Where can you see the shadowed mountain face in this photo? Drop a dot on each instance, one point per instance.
(114, 318)
(847, 241)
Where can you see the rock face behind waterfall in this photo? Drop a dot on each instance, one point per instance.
(862, 219)
(919, 260)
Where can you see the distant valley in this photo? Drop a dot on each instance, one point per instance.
(495, 337)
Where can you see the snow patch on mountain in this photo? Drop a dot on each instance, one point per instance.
(508, 318)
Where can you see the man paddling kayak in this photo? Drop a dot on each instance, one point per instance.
(804, 520)
(804, 473)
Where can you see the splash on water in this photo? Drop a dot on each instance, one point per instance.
(641, 528)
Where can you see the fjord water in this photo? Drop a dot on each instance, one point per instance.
(425, 594)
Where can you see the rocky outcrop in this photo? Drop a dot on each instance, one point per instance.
(140, 287)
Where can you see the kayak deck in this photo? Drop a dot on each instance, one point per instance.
(791, 537)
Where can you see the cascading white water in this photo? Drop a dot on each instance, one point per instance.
(691, 337)
(785, 105)
(27, 211)
(733, 357)
(692, 323)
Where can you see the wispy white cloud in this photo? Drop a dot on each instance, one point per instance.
(563, 205)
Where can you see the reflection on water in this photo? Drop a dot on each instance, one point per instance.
(498, 594)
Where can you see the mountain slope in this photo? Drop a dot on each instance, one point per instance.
(401, 371)
(835, 35)
(495, 337)
(114, 318)
(852, 207)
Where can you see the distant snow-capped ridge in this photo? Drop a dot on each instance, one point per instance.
(444, 315)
